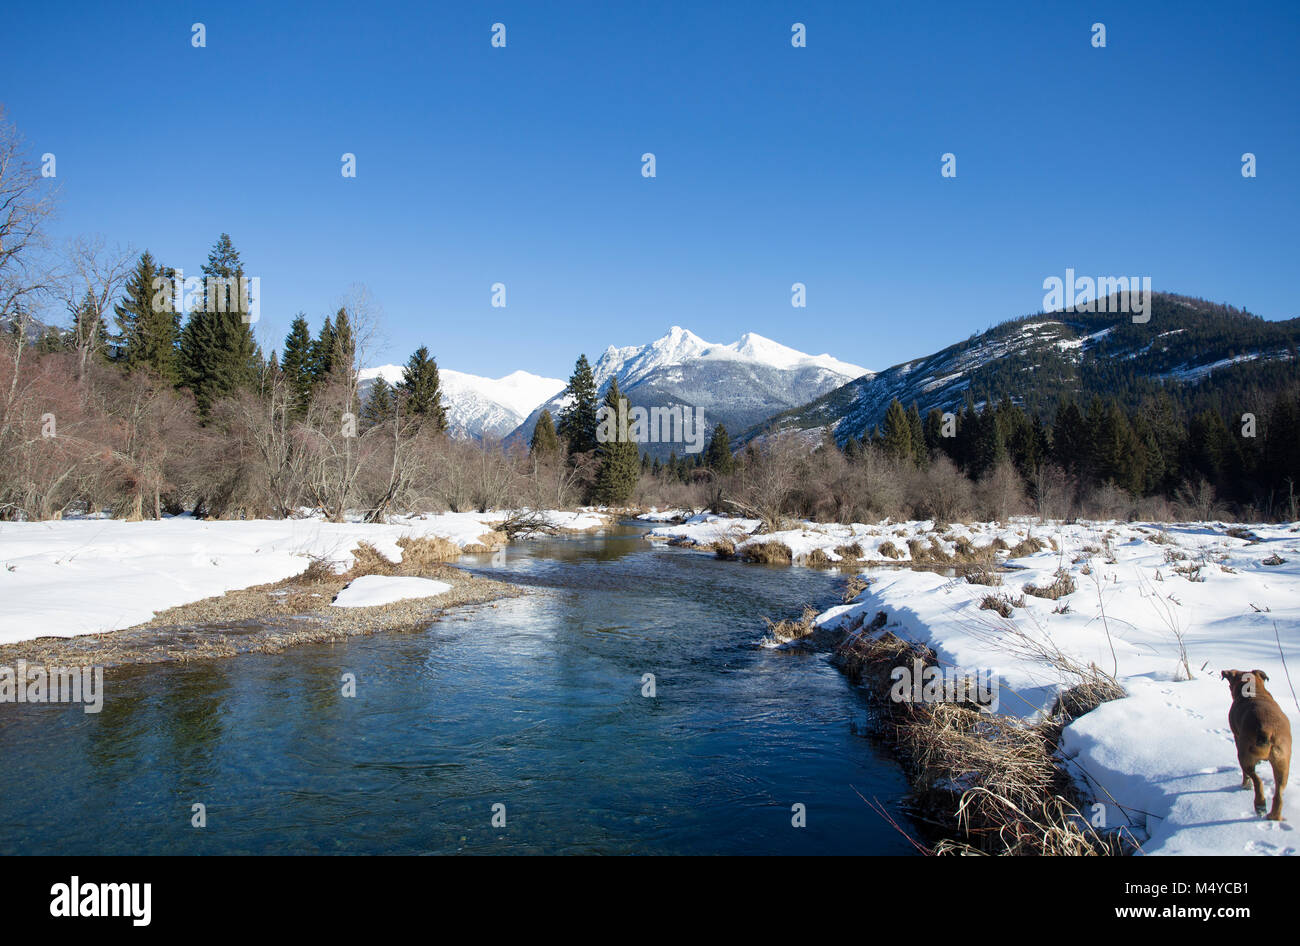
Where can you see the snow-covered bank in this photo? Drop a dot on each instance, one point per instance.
(1152, 604)
(87, 576)
(855, 542)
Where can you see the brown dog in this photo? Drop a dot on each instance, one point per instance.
(1261, 731)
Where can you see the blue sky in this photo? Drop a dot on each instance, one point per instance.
(819, 165)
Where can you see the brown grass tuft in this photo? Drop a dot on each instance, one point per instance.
(767, 553)
(427, 550)
(849, 553)
(1028, 546)
(783, 632)
(369, 561)
(1062, 586)
(854, 586)
(817, 558)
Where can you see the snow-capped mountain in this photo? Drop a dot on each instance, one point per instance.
(635, 364)
(1036, 360)
(736, 384)
(479, 407)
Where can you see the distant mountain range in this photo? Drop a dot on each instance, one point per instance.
(477, 407)
(738, 384)
(1187, 344)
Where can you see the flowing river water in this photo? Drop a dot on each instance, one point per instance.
(535, 704)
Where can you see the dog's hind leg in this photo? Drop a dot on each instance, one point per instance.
(1280, 766)
(1248, 769)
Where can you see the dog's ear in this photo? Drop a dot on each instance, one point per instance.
(1227, 674)
(1261, 674)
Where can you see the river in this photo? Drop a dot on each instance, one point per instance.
(532, 710)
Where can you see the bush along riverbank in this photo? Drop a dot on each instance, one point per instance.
(1104, 645)
(981, 783)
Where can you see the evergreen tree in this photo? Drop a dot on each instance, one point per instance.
(297, 363)
(1070, 442)
(323, 352)
(545, 441)
(218, 354)
(718, 455)
(578, 418)
(620, 466)
(897, 439)
(380, 404)
(420, 390)
(51, 341)
(916, 430)
(344, 348)
(933, 432)
(148, 324)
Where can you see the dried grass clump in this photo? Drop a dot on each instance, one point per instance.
(868, 661)
(996, 779)
(1062, 586)
(319, 571)
(1000, 544)
(1028, 546)
(1273, 559)
(1241, 532)
(784, 632)
(723, 548)
(818, 558)
(849, 553)
(982, 574)
(487, 542)
(1085, 696)
(928, 554)
(368, 560)
(889, 550)
(854, 586)
(767, 553)
(427, 550)
(1002, 604)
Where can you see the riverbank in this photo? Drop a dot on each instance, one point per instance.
(1159, 609)
(182, 587)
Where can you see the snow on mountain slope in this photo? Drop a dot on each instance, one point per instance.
(1036, 360)
(479, 407)
(636, 362)
(736, 384)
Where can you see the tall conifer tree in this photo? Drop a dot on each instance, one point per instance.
(578, 418)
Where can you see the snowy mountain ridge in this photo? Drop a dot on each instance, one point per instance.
(479, 407)
(737, 384)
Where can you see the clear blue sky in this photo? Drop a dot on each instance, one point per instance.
(775, 164)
